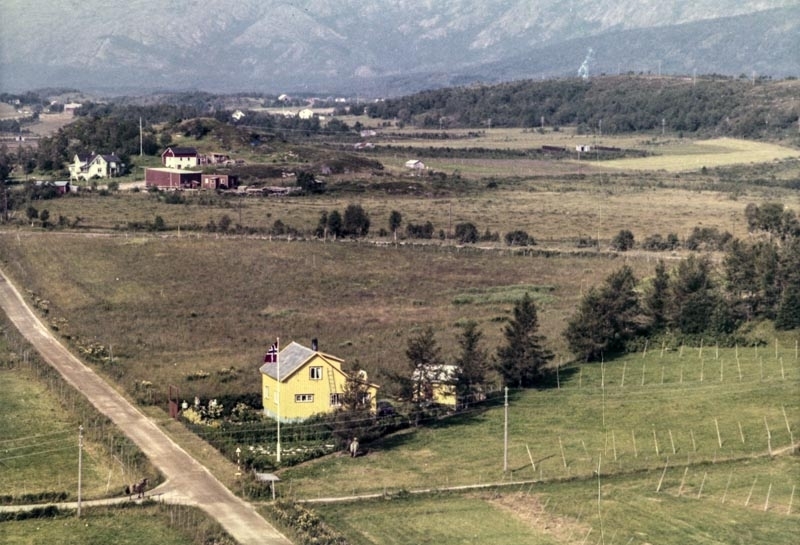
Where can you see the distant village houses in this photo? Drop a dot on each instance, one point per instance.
(90, 166)
(71, 107)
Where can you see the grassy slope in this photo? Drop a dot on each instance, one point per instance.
(703, 498)
(594, 419)
(39, 445)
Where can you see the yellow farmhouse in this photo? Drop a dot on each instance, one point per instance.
(440, 385)
(311, 382)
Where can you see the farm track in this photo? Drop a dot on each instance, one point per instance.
(188, 482)
(532, 251)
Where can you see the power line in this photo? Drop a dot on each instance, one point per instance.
(35, 453)
(35, 436)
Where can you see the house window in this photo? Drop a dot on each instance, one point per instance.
(315, 373)
(336, 400)
(304, 398)
(266, 392)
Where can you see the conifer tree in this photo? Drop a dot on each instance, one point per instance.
(522, 362)
(471, 365)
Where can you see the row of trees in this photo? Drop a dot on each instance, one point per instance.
(354, 222)
(695, 300)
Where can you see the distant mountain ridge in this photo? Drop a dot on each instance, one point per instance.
(381, 48)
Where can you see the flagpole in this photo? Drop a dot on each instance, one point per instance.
(278, 364)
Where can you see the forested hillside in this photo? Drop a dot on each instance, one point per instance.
(724, 106)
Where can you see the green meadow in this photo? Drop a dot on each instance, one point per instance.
(651, 448)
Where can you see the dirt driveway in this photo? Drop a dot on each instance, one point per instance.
(188, 481)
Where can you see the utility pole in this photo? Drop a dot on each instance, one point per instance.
(141, 142)
(505, 435)
(80, 465)
(278, 409)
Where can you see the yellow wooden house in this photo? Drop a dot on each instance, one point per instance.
(440, 383)
(304, 382)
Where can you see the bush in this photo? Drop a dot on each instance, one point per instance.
(466, 233)
(623, 241)
(708, 239)
(656, 243)
(419, 230)
(519, 238)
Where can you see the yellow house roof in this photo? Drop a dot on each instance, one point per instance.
(294, 357)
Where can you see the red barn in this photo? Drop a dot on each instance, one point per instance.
(172, 178)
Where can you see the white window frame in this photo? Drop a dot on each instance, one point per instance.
(316, 370)
(336, 400)
(304, 398)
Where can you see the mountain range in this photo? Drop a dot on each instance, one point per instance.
(382, 48)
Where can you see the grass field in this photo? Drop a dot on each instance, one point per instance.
(666, 475)
(709, 154)
(629, 510)
(151, 301)
(134, 525)
(635, 426)
(39, 445)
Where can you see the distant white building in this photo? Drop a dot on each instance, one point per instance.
(305, 113)
(238, 115)
(91, 165)
(70, 107)
(415, 164)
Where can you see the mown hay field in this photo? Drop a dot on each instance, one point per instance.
(658, 447)
(627, 510)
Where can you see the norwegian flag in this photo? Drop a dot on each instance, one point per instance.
(272, 354)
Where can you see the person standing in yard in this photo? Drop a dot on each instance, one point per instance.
(353, 447)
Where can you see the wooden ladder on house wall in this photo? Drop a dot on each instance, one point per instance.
(331, 383)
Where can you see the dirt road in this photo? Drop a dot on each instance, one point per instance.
(188, 481)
